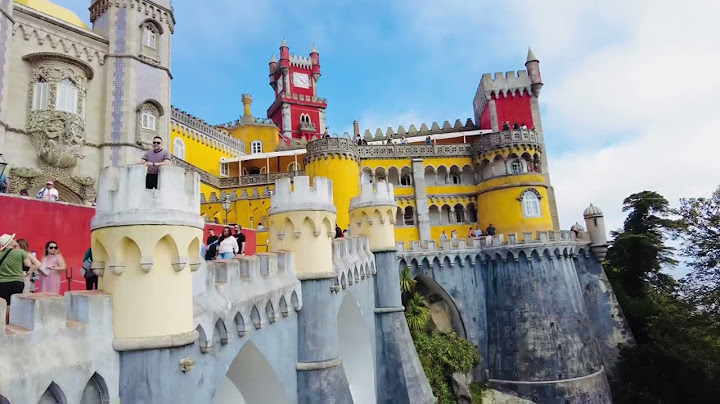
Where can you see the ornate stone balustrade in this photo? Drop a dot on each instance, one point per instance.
(270, 178)
(205, 176)
(506, 138)
(413, 151)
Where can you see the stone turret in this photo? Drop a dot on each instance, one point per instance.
(533, 70)
(595, 223)
(372, 214)
(315, 57)
(145, 243)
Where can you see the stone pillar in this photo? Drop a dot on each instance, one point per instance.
(423, 211)
(595, 223)
(6, 26)
(400, 377)
(303, 221)
(145, 245)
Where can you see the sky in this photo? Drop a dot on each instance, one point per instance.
(631, 93)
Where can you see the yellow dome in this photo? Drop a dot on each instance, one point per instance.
(53, 10)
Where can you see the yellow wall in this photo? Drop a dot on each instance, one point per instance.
(502, 208)
(345, 175)
(249, 133)
(313, 253)
(202, 156)
(241, 210)
(376, 222)
(148, 304)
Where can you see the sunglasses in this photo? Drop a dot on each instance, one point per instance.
(156, 142)
(52, 247)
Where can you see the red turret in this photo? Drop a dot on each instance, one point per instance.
(315, 57)
(284, 55)
(273, 67)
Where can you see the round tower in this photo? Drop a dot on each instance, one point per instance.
(337, 160)
(532, 64)
(372, 214)
(145, 244)
(315, 57)
(595, 223)
(273, 67)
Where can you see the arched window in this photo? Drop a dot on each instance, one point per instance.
(459, 213)
(531, 203)
(516, 167)
(150, 36)
(224, 168)
(179, 148)
(305, 118)
(294, 166)
(67, 97)
(41, 91)
(256, 147)
(409, 216)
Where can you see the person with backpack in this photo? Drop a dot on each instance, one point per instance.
(91, 280)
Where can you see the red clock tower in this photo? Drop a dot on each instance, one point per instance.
(297, 110)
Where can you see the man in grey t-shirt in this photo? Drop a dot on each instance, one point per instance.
(153, 159)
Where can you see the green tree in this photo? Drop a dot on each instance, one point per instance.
(701, 246)
(417, 313)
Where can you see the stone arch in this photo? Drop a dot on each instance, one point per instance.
(355, 348)
(166, 249)
(498, 166)
(468, 175)
(393, 176)
(4, 400)
(343, 280)
(53, 395)
(454, 175)
(380, 174)
(446, 215)
(240, 324)
(255, 316)
(95, 392)
(270, 311)
(220, 333)
(366, 175)
(406, 176)
(130, 253)
(444, 310)
(250, 379)
(471, 213)
(442, 175)
(430, 175)
(295, 301)
(409, 215)
(194, 248)
(434, 214)
(460, 213)
(282, 305)
(203, 342)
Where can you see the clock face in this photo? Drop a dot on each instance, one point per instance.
(280, 82)
(301, 80)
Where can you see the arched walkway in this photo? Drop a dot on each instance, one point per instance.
(445, 315)
(356, 351)
(251, 380)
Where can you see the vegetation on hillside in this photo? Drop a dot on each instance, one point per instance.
(675, 323)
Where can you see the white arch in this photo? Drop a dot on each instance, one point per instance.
(356, 351)
(250, 379)
(179, 148)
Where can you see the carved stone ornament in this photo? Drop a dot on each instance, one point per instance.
(144, 137)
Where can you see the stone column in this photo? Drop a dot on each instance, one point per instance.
(302, 220)
(400, 377)
(145, 244)
(423, 211)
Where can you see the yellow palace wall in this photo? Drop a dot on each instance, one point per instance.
(200, 155)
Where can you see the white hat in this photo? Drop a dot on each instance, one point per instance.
(5, 240)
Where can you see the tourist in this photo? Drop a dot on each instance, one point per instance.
(506, 125)
(478, 232)
(240, 239)
(228, 245)
(490, 231)
(575, 230)
(12, 260)
(260, 227)
(4, 183)
(338, 232)
(345, 233)
(212, 245)
(443, 235)
(153, 159)
(29, 276)
(453, 234)
(523, 126)
(471, 233)
(428, 140)
(91, 280)
(403, 140)
(53, 264)
(389, 141)
(49, 193)
(516, 126)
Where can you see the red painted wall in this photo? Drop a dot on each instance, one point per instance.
(485, 122)
(514, 109)
(39, 222)
(250, 237)
(69, 225)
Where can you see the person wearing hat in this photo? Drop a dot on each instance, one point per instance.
(49, 193)
(12, 260)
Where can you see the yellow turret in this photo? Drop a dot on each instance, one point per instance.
(372, 214)
(336, 159)
(145, 243)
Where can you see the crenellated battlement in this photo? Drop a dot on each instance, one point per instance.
(425, 130)
(302, 196)
(380, 194)
(353, 261)
(234, 297)
(506, 83)
(123, 199)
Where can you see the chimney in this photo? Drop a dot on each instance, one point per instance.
(356, 128)
(247, 103)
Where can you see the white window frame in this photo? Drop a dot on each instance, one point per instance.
(67, 97)
(41, 95)
(516, 167)
(148, 121)
(256, 147)
(150, 39)
(224, 169)
(179, 148)
(293, 166)
(531, 205)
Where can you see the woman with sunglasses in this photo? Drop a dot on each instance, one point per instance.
(53, 264)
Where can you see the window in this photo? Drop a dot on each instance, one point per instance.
(256, 147)
(516, 167)
(40, 95)
(409, 216)
(178, 148)
(293, 166)
(150, 38)
(531, 204)
(67, 97)
(305, 118)
(224, 169)
(149, 121)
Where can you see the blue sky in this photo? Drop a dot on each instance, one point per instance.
(630, 101)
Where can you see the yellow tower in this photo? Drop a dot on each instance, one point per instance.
(513, 190)
(372, 214)
(145, 244)
(302, 220)
(336, 159)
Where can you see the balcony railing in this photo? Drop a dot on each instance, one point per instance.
(491, 141)
(258, 179)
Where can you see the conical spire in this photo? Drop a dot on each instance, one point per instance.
(284, 43)
(314, 49)
(531, 56)
(272, 59)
